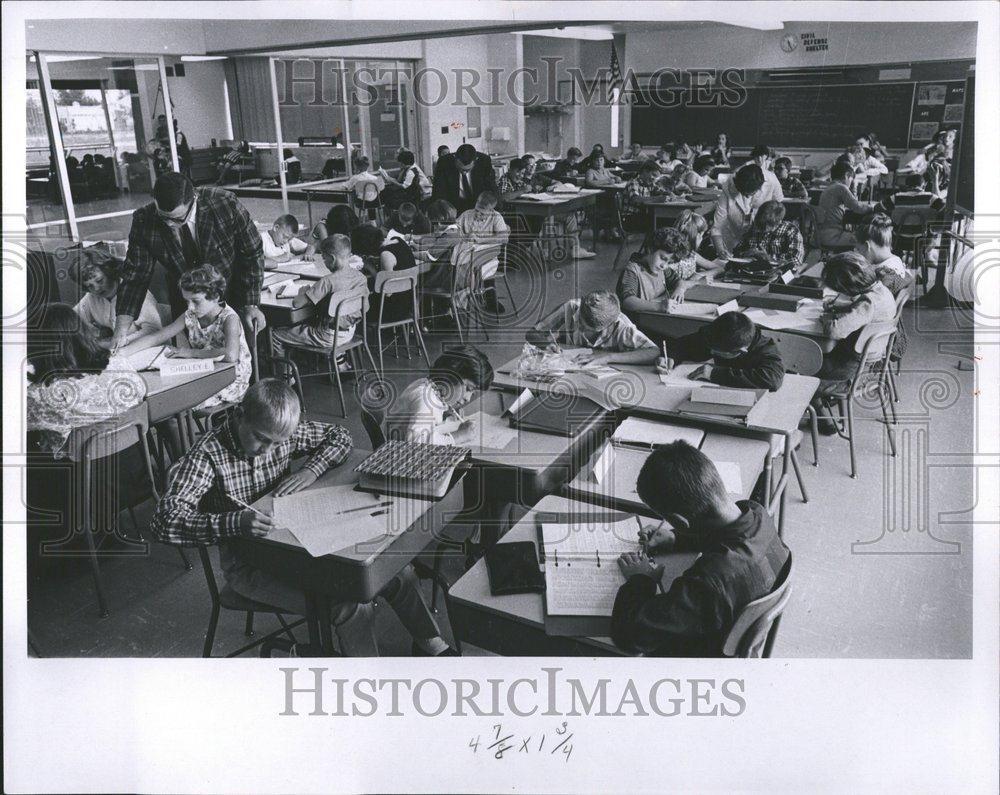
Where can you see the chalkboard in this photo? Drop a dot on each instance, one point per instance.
(796, 116)
(963, 176)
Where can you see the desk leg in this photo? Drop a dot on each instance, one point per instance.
(320, 604)
(785, 471)
(595, 223)
(309, 210)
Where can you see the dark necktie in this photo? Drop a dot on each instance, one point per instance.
(466, 185)
(189, 248)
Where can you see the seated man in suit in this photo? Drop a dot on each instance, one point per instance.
(742, 559)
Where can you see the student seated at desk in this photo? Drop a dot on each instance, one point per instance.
(212, 330)
(791, 186)
(837, 199)
(279, 242)
(596, 322)
(340, 220)
(875, 149)
(363, 177)
(238, 463)
(742, 356)
(342, 279)
(408, 220)
(596, 151)
(870, 301)
(598, 174)
(634, 153)
(412, 181)
(75, 382)
(742, 559)
(721, 150)
(647, 183)
(568, 166)
(100, 275)
(650, 279)
(368, 242)
(419, 413)
(778, 240)
(875, 245)
(864, 162)
(698, 176)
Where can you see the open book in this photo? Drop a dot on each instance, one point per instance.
(582, 576)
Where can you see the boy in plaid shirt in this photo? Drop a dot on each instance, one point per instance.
(648, 182)
(242, 460)
(779, 240)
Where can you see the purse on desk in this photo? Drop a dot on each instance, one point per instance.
(513, 568)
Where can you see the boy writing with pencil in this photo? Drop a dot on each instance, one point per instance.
(741, 356)
(742, 559)
(596, 322)
(230, 467)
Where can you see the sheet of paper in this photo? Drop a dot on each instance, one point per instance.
(148, 359)
(679, 374)
(777, 319)
(522, 400)
(787, 276)
(604, 463)
(273, 280)
(302, 268)
(641, 431)
(731, 477)
(316, 518)
(692, 309)
(729, 306)
(492, 432)
(582, 588)
(583, 539)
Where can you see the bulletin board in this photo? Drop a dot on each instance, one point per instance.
(936, 104)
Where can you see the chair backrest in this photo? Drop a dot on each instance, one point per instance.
(392, 282)
(800, 355)
(749, 633)
(873, 341)
(366, 191)
(104, 439)
(348, 303)
(911, 219)
(479, 258)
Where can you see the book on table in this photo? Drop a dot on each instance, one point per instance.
(647, 434)
(559, 414)
(411, 469)
(582, 576)
(741, 405)
(770, 300)
(710, 294)
(803, 286)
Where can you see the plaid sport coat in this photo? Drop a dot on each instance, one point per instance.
(226, 236)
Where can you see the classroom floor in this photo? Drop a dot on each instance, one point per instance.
(883, 563)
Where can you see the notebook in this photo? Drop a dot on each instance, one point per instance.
(711, 401)
(636, 432)
(787, 303)
(582, 576)
(513, 568)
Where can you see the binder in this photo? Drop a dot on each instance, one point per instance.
(770, 300)
(801, 286)
(411, 469)
(557, 414)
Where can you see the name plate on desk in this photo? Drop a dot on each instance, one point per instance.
(176, 368)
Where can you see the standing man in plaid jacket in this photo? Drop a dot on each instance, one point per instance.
(184, 228)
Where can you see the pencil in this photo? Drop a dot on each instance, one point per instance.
(382, 504)
(666, 361)
(238, 501)
(555, 341)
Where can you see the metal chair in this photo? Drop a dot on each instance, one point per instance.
(873, 346)
(389, 283)
(911, 224)
(802, 356)
(367, 198)
(97, 442)
(756, 627)
(228, 599)
(465, 293)
(339, 305)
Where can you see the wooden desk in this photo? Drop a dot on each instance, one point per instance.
(617, 492)
(585, 200)
(637, 391)
(168, 397)
(671, 211)
(280, 312)
(515, 625)
(355, 574)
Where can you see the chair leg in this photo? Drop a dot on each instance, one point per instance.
(420, 342)
(248, 628)
(889, 429)
(892, 396)
(850, 432)
(89, 535)
(213, 622)
(798, 476)
(184, 559)
(458, 323)
(381, 351)
(340, 386)
(814, 432)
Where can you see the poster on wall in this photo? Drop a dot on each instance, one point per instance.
(934, 105)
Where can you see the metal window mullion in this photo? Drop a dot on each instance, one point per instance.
(55, 138)
(277, 132)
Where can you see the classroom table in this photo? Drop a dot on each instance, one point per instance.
(280, 312)
(514, 625)
(670, 210)
(585, 200)
(333, 189)
(168, 397)
(358, 573)
(637, 391)
(617, 490)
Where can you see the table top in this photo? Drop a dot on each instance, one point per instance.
(167, 397)
(404, 514)
(637, 390)
(618, 491)
(473, 588)
(565, 202)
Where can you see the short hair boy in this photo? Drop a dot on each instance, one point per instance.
(742, 559)
(279, 242)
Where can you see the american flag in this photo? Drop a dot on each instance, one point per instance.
(616, 71)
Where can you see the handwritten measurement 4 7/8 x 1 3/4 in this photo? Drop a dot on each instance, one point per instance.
(503, 742)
